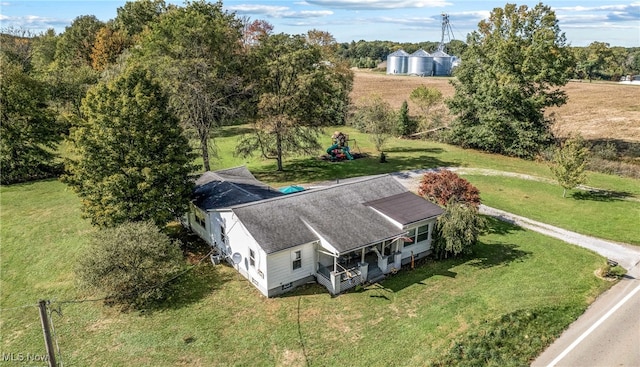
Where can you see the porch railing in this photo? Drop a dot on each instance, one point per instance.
(346, 279)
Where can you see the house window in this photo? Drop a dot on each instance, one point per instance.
(252, 258)
(199, 218)
(223, 236)
(423, 233)
(297, 260)
(411, 234)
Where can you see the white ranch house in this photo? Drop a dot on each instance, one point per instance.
(340, 236)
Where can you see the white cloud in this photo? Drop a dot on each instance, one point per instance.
(378, 4)
(258, 9)
(278, 11)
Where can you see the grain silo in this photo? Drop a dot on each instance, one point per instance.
(420, 63)
(441, 63)
(397, 62)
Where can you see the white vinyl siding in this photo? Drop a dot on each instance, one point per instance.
(239, 240)
(280, 268)
(420, 234)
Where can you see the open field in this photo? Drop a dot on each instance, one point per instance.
(521, 288)
(595, 110)
(216, 318)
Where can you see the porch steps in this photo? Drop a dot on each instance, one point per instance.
(374, 274)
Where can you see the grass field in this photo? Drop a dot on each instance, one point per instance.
(218, 319)
(518, 291)
(591, 214)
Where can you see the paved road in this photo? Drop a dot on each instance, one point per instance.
(608, 333)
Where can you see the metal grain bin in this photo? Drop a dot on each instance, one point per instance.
(398, 62)
(420, 63)
(441, 63)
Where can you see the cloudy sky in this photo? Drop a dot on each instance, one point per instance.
(583, 21)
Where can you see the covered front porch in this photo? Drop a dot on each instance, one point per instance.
(340, 272)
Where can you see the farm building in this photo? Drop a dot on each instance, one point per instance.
(340, 235)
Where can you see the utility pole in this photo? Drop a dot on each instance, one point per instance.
(42, 305)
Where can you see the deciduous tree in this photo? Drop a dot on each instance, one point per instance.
(425, 98)
(130, 264)
(196, 52)
(457, 230)
(377, 118)
(29, 132)
(76, 42)
(511, 72)
(134, 16)
(109, 44)
(569, 162)
(298, 93)
(132, 160)
(444, 186)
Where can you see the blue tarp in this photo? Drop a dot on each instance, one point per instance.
(291, 189)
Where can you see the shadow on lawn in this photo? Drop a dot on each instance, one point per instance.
(499, 227)
(600, 195)
(229, 131)
(485, 255)
(414, 150)
(309, 170)
(196, 283)
(488, 255)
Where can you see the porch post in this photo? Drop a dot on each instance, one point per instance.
(335, 267)
(362, 257)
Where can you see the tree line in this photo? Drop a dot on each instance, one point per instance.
(131, 95)
(597, 61)
(174, 74)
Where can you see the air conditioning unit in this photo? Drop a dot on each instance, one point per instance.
(215, 259)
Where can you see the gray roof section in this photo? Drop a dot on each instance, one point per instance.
(406, 208)
(226, 188)
(399, 53)
(421, 53)
(338, 213)
(440, 54)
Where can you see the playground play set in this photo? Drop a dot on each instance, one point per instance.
(340, 150)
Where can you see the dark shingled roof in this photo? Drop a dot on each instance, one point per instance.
(405, 208)
(339, 214)
(225, 188)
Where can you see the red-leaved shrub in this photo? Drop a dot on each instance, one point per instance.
(440, 186)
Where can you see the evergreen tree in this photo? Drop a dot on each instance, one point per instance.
(133, 160)
(406, 125)
(511, 71)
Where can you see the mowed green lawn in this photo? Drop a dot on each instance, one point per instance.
(587, 213)
(218, 319)
(604, 216)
